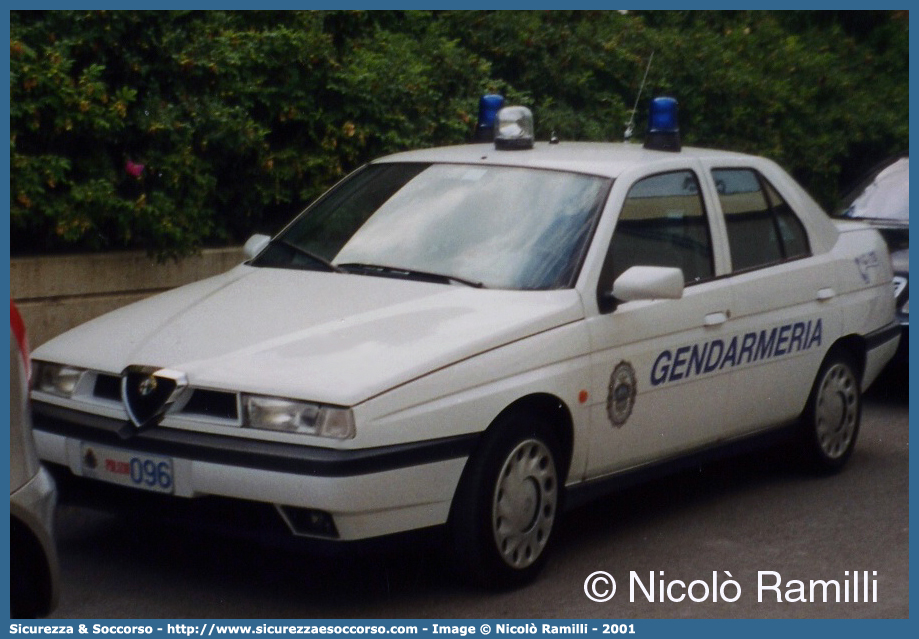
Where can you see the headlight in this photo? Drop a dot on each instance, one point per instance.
(57, 379)
(289, 416)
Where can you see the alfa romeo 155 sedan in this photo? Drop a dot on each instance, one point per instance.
(476, 337)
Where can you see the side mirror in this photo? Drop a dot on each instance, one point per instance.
(648, 283)
(255, 244)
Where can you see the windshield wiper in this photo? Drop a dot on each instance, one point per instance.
(406, 273)
(309, 254)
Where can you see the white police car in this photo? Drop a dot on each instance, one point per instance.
(477, 336)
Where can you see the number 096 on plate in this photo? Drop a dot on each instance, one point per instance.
(127, 468)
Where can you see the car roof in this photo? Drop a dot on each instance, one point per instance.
(596, 158)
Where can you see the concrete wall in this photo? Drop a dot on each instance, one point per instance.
(57, 293)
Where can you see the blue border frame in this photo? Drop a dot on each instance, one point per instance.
(665, 628)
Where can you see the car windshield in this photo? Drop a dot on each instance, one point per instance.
(492, 226)
(886, 197)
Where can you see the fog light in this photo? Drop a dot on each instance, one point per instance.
(309, 522)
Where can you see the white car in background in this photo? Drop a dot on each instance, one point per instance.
(882, 200)
(477, 337)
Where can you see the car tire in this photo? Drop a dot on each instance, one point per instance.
(832, 416)
(508, 503)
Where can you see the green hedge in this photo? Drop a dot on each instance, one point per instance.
(170, 131)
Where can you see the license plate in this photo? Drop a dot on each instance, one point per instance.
(127, 468)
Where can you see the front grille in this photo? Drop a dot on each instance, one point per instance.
(107, 387)
(209, 403)
(202, 403)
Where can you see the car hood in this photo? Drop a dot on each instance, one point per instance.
(327, 337)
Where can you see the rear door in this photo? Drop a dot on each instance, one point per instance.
(784, 308)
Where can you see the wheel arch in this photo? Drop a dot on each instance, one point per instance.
(856, 347)
(556, 412)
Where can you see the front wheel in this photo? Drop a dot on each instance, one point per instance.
(833, 413)
(507, 504)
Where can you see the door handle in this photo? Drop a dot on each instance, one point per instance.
(717, 318)
(825, 294)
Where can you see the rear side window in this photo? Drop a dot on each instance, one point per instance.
(791, 231)
(662, 223)
(762, 228)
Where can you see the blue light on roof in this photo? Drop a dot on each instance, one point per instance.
(663, 116)
(489, 105)
(663, 125)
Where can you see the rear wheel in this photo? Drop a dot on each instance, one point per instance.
(833, 413)
(507, 504)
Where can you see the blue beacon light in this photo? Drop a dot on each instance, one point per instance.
(663, 125)
(489, 105)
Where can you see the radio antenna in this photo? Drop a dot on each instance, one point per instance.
(630, 126)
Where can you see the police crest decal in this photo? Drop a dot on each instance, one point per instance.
(621, 396)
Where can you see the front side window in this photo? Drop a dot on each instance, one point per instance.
(762, 229)
(501, 227)
(662, 223)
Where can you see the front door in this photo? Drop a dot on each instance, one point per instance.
(656, 362)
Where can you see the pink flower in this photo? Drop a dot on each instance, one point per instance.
(133, 169)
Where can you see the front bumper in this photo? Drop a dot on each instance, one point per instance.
(367, 493)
